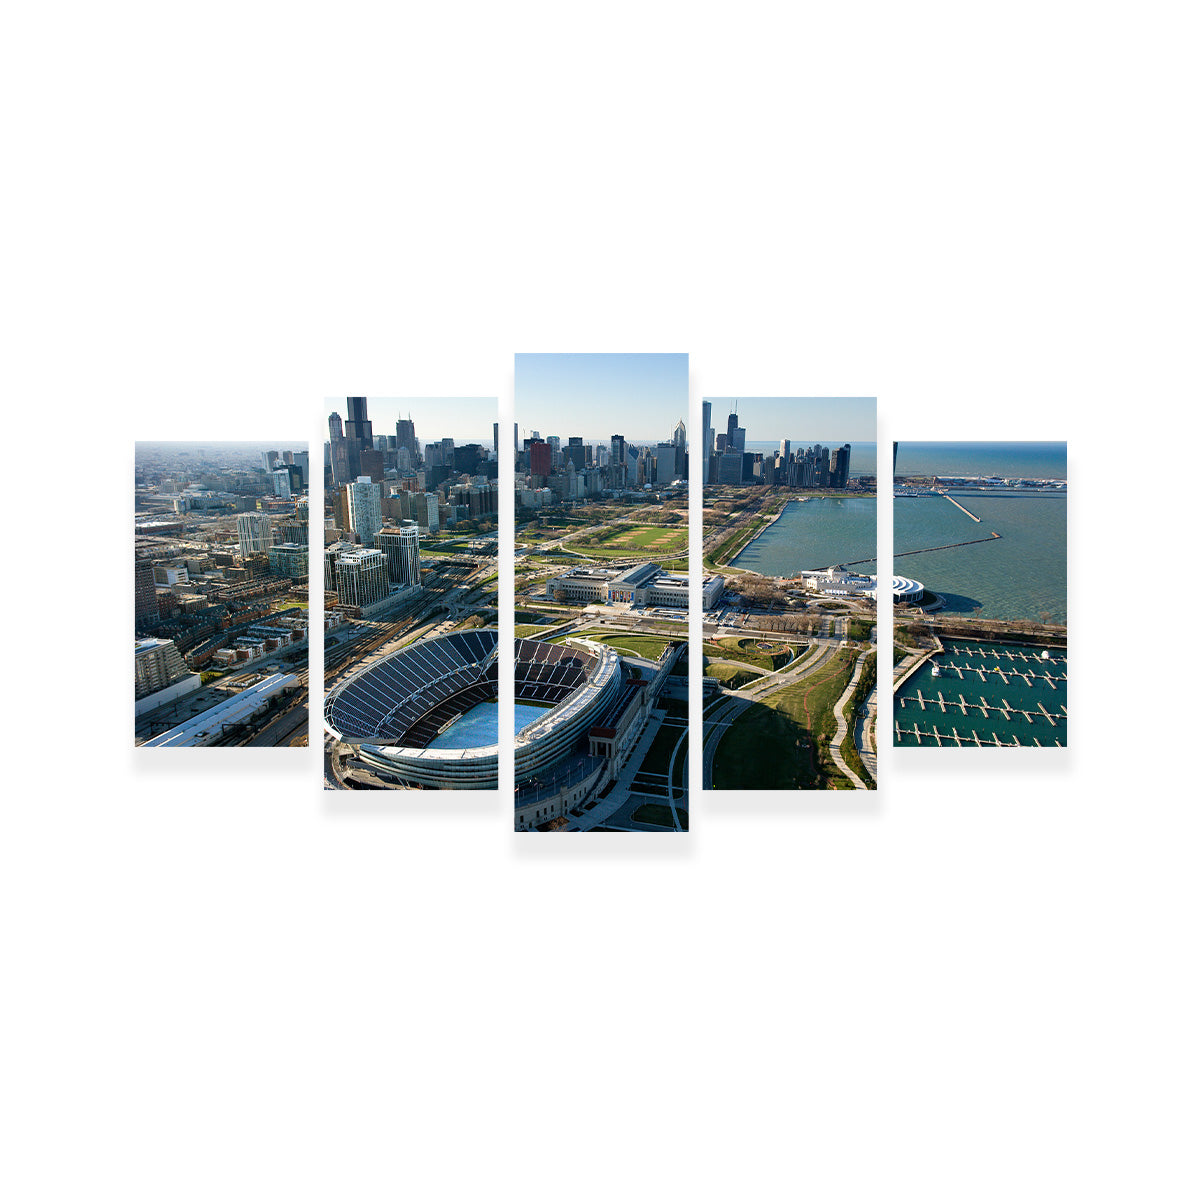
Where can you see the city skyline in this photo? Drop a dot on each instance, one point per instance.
(221, 618)
(465, 419)
(807, 419)
(594, 396)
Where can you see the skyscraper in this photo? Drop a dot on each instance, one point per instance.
(679, 437)
(254, 533)
(145, 595)
(339, 458)
(402, 549)
(364, 507)
(735, 437)
(358, 432)
(406, 435)
(539, 458)
(839, 473)
(157, 664)
(616, 463)
(362, 577)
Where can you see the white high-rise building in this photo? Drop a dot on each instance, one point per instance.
(254, 533)
(402, 547)
(362, 577)
(425, 510)
(365, 508)
(283, 483)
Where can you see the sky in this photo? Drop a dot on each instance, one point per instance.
(593, 396)
(463, 418)
(830, 420)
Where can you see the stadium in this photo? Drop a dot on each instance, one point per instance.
(578, 713)
(425, 716)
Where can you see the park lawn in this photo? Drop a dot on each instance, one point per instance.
(528, 630)
(632, 540)
(641, 645)
(659, 814)
(745, 650)
(658, 757)
(769, 746)
(730, 674)
(728, 549)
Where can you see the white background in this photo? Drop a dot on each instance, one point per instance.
(219, 983)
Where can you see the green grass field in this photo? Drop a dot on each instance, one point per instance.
(659, 814)
(773, 745)
(745, 650)
(640, 645)
(658, 757)
(626, 541)
(730, 674)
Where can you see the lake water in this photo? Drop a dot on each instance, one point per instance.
(1018, 576)
(995, 690)
(814, 533)
(1022, 460)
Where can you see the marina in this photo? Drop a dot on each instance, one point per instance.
(1017, 696)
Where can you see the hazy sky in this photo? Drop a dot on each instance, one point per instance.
(641, 396)
(830, 420)
(463, 418)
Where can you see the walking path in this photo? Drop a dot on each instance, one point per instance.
(865, 732)
(835, 747)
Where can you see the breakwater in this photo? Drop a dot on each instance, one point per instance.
(959, 506)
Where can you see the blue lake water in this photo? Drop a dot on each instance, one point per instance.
(1018, 576)
(1025, 460)
(818, 532)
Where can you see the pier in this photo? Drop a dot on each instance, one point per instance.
(986, 710)
(959, 506)
(930, 549)
(971, 738)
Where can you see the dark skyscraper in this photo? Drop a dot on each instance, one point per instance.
(735, 437)
(406, 436)
(145, 595)
(539, 458)
(839, 473)
(358, 432)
